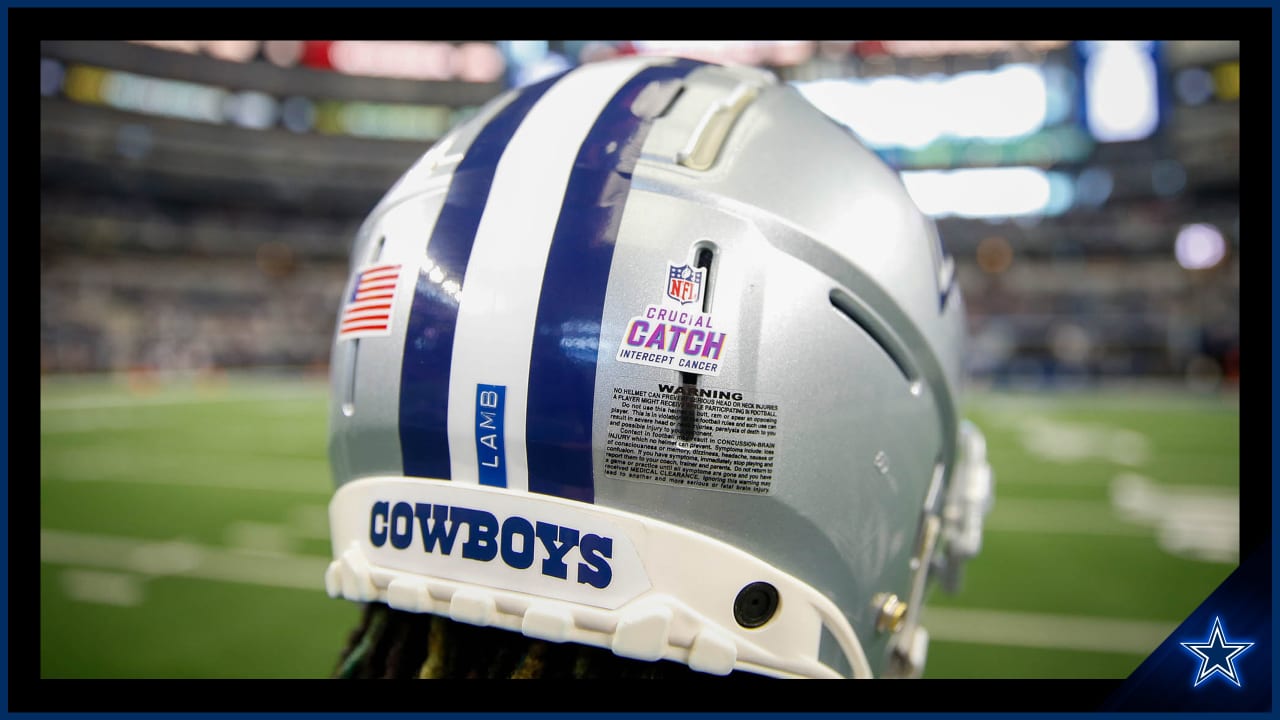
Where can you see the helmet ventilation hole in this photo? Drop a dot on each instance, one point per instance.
(880, 332)
(375, 253)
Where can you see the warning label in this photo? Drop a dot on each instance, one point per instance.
(691, 436)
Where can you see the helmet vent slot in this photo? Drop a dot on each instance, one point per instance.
(704, 257)
(375, 253)
(865, 318)
(703, 147)
(349, 378)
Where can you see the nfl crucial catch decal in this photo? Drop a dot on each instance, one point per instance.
(676, 334)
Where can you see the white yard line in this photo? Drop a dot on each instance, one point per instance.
(182, 397)
(1200, 522)
(1061, 517)
(190, 482)
(124, 465)
(177, 558)
(1041, 630)
(61, 423)
(260, 537)
(1066, 442)
(104, 588)
(1194, 522)
(309, 522)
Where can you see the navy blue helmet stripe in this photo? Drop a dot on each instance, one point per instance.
(428, 347)
(562, 369)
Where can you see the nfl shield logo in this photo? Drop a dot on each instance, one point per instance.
(684, 283)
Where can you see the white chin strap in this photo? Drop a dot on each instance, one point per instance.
(950, 537)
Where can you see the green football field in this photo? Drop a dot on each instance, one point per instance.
(184, 531)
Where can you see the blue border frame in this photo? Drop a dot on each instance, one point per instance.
(1275, 294)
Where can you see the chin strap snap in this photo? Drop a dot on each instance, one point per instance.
(909, 654)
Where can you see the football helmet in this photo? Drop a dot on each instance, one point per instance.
(654, 356)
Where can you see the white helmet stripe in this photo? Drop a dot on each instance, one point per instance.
(429, 334)
(500, 293)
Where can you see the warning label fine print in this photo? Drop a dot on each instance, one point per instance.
(691, 436)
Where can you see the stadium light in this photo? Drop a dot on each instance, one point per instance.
(1120, 90)
(233, 50)
(1010, 102)
(989, 192)
(189, 47)
(1193, 85)
(51, 74)
(544, 67)
(399, 59)
(298, 114)
(1094, 186)
(479, 62)
(284, 53)
(252, 109)
(157, 96)
(779, 53)
(938, 48)
(1199, 246)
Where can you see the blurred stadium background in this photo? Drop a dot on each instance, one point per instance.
(198, 199)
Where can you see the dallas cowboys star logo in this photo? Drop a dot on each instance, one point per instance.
(1217, 655)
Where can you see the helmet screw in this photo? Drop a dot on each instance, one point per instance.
(891, 612)
(755, 605)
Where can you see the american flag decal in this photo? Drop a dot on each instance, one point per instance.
(367, 312)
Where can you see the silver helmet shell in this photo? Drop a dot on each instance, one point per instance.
(654, 356)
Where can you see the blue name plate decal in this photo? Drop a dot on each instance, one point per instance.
(490, 450)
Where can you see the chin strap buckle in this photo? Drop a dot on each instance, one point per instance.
(950, 535)
(949, 539)
(968, 501)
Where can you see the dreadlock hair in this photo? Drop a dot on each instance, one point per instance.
(392, 643)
